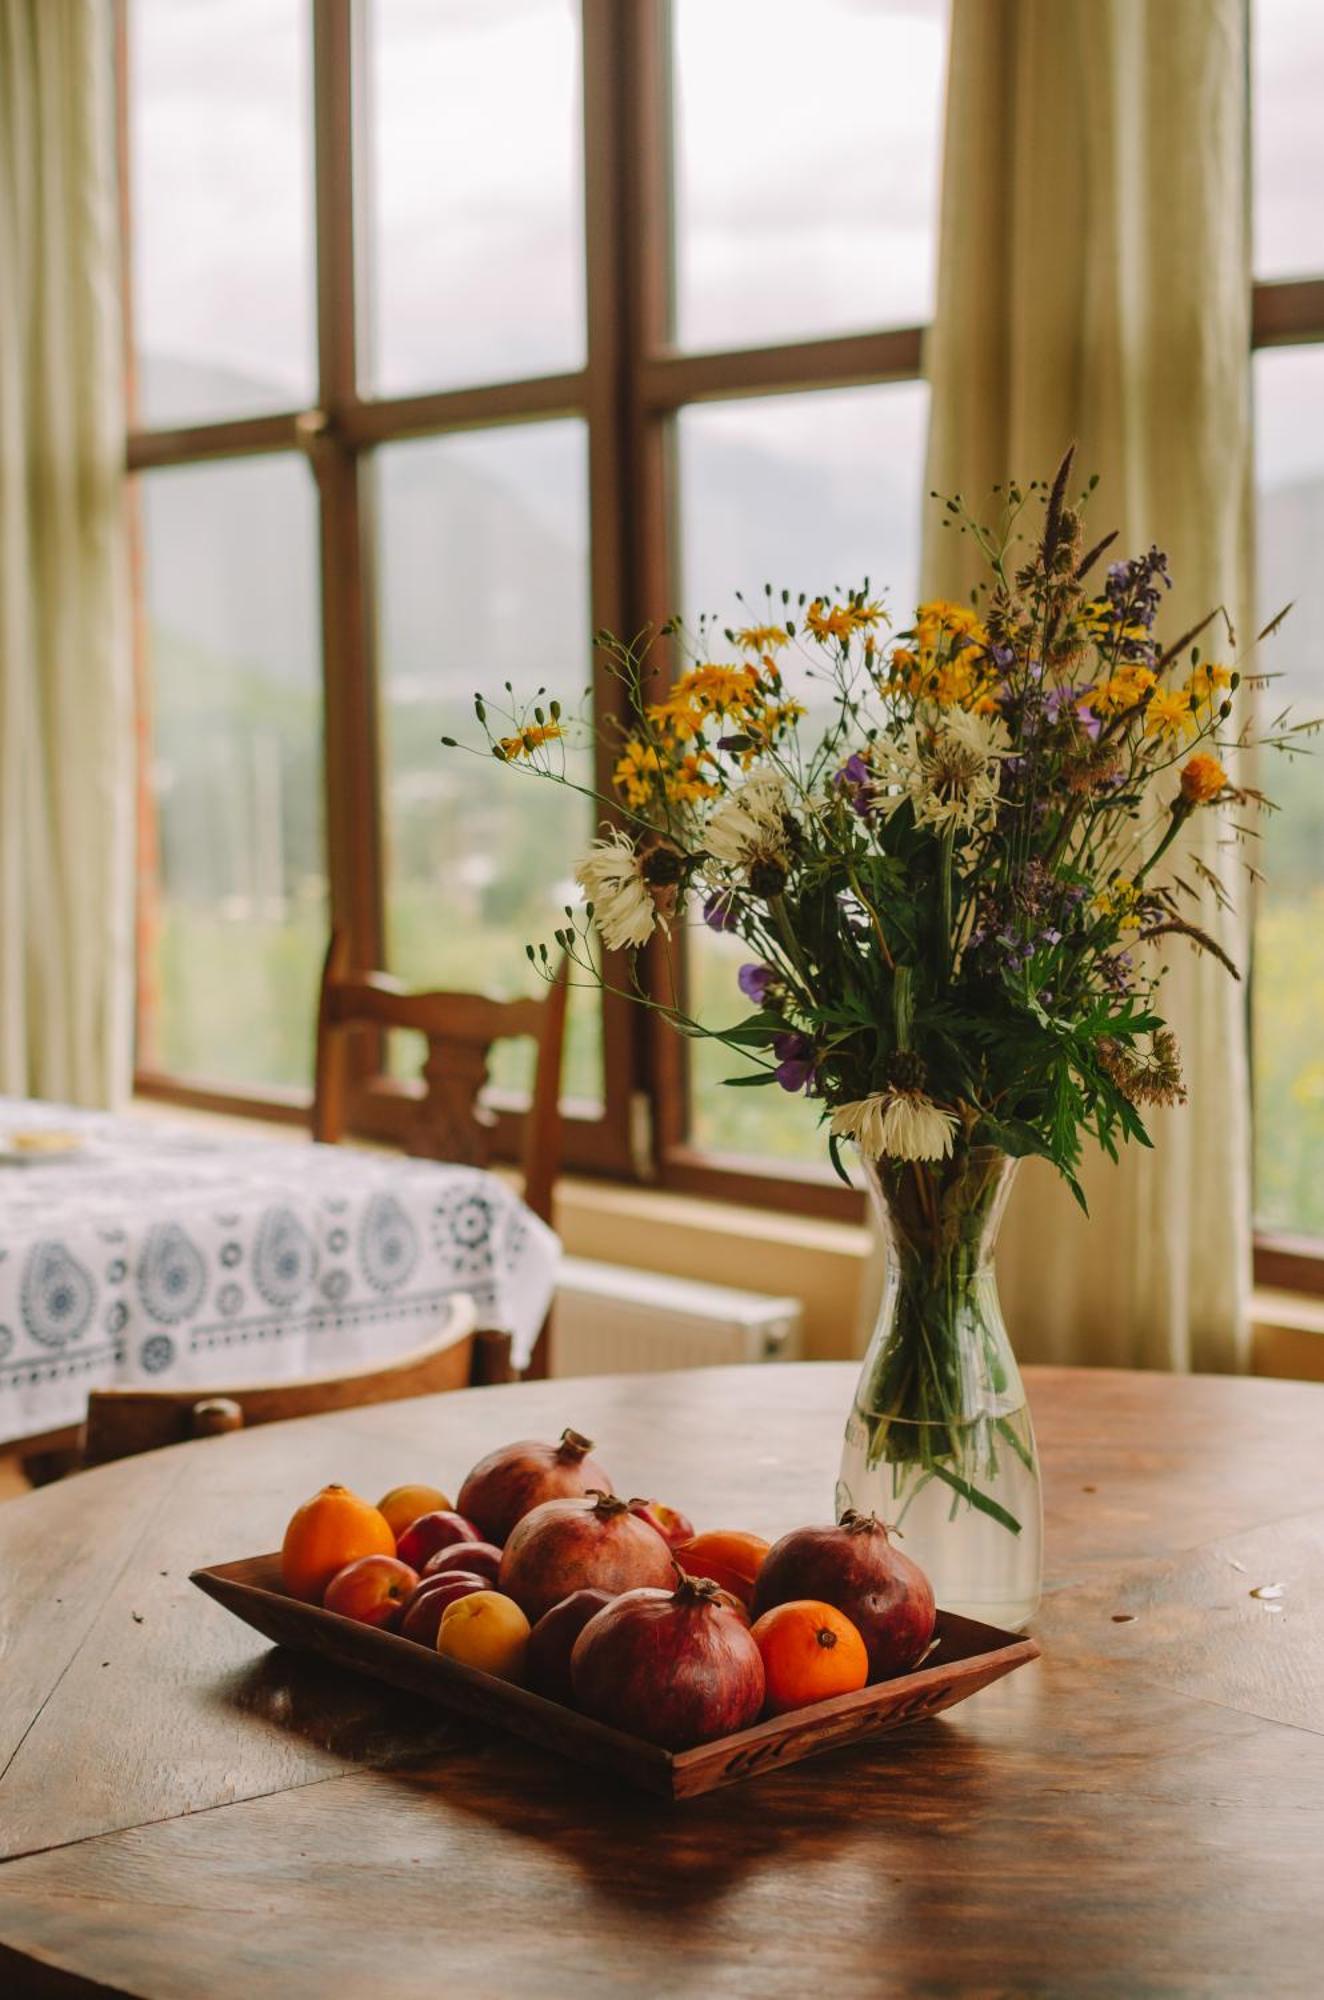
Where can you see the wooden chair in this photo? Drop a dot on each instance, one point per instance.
(122, 1422)
(460, 1028)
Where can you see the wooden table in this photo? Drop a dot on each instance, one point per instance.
(184, 1812)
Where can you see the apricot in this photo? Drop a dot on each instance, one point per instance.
(728, 1556)
(810, 1651)
(332, 1529)
(403, 1505)
(487, 1631)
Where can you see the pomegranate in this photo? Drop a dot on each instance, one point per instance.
(676, 1667)
(508, 1483)
(855, 1568)
(548, 1660)
(474, 1558)
(588, 1543)
(673, 1526)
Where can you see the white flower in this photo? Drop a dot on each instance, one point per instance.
(611, 876)
(750, 825)
(946, 764)
(903, 1124)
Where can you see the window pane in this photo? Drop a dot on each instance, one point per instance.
(483, 567)
(805, 195)
(476, 185)
(807, 493)
(1287, 70)
(236, 934)
(220, 183)
(1289, 933)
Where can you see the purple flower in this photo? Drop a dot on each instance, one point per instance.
(795, 1060)
(756, 982)
(856, 779)
(720, 912)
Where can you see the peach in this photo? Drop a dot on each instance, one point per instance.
(673, 1526)
(403, 1505)
(487, 1631)
(427, 1606)
(370, 1590)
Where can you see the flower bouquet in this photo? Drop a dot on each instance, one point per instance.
(952, 850)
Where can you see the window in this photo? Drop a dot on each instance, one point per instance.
(458, 332)
(1288, 963)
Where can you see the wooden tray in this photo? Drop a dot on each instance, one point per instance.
(967, 1657)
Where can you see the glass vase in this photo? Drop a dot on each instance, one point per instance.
(939, 1443)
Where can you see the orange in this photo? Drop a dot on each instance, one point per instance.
(810, 1651)
(335, 1527)
(485, 1630)
(403, 1505)
(729, 1556)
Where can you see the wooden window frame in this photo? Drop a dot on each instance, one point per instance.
(634, 383)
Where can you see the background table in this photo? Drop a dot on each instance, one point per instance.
(158, 1254)
(1139, 1812)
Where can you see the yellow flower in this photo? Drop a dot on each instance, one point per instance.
(677, 717)
(1169, 714)
(1202, 779)
(687, 784)
(1118, 901)
(1124, 690)
(718, 689)
(829, 622)
(902, 666)
(1206, 682)
(762, 638)
(938, 617)
(636, 772)
(529, 740)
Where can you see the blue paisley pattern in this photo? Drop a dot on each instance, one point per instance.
(284, 1259)
(171, 1274)
(388, 1244)
(58, 1295)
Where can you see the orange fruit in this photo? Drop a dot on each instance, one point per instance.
(485, 1630)
(335, 1527)
(810, 1651)
(729, 1556)
(403, 1505)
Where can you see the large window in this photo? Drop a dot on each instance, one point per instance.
(460, 331)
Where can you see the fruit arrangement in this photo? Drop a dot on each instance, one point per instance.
(541, 1575)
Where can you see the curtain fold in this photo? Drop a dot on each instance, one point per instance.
(1094, 285)
(66, 745)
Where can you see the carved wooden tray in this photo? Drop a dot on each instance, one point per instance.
(967, 1657)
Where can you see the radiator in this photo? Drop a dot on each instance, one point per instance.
(608, 1320)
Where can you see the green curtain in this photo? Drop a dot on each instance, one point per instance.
(1094, 284)
(66, 721)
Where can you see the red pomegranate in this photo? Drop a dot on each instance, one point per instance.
(508, 1483)
(676, 1667)
(855, 1567)
(591, 1543)
(547, 1662)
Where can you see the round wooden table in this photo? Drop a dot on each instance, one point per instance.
(184, 1811)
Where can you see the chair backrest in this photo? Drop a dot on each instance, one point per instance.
(460, 1029)
(123, 1422)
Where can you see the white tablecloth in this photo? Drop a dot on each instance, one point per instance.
(161, 1254)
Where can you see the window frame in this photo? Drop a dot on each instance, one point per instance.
(629, 392)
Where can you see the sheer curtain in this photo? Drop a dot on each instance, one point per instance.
(1094, 284)
(66, 749)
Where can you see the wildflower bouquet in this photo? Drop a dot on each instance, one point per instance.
(951, 850)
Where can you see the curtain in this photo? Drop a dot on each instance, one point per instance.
(66, 751)
(1094, 285)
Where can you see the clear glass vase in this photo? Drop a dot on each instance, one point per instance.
(939, 1443)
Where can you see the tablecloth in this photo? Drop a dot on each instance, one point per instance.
(163, 1254)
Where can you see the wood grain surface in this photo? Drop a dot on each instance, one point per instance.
(185, 1811)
